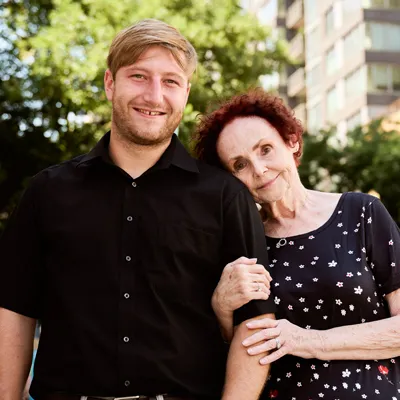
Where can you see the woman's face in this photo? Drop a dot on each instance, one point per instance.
(254, 152)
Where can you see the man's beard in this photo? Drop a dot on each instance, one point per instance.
(130, 133)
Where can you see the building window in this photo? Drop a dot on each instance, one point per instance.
(355, 83)
(314, 76)
(382, 36)
(353, 42)
(354, 121)
(332, 102)
(381, 3)
(383, 78)
(329, 22)
(313, 42)
(314, 118)
(310, 11)
(331, 61)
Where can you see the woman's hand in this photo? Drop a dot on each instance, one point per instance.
(281, 337)
(241, 281)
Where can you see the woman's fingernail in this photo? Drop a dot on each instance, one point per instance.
(250, 351)
(263, 361)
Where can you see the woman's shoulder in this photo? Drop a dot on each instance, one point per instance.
(358, 200)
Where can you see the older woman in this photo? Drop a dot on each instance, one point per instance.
(334, 261)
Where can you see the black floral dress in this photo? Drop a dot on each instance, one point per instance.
(337, 275)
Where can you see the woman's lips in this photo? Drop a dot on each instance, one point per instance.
(268, 183)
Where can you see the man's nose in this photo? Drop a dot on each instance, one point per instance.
(154, 93)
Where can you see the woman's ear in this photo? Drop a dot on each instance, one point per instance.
(294, 145)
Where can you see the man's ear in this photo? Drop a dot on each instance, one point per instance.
(109, 84)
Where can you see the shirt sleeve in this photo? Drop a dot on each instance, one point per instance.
(382, 246)
(21, 258)
(244, 236)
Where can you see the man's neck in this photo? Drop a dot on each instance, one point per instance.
(133, 158)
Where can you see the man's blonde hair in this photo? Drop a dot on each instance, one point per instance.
(131, 42)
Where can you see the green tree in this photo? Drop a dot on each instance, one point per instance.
(369, 160)
(52, 103)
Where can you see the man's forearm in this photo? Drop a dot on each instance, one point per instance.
(245, 377)
(16, 345)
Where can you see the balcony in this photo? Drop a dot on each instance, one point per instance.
(297, 49)
(295, 15)
(300, 113)
(297, 83)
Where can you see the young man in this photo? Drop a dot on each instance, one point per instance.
(118, 252)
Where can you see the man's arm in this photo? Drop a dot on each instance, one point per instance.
(16, 346)
(245, 377)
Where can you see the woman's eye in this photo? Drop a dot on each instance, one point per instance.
(239, 165)
(265, 149)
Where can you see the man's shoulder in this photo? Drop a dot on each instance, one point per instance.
(219, 176)
(60, 171)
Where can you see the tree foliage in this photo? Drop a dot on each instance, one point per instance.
(369, 160)
(53, 58)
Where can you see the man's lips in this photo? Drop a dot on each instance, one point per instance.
(150, 113)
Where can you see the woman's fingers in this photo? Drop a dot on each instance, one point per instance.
(262, 323)
(261, 336)
(268, 345)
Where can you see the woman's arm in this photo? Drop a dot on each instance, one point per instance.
(369, 341)
(241, 281)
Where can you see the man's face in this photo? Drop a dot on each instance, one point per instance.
(148, 97)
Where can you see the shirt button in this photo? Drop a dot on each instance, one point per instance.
(129, 218)
(126, 339)
(127, 383)
(126, 295)
(134, 184)
(127, 258)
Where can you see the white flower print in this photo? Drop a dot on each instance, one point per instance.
(289, 375)
(339, 284)
(326, 365)
(308, 327)
(367, 366)
(268, 248)
(343, 312)
(276, 284)
(349, 275)
(339, 212)
(359, 224)
(392, 360)
(274, 261)
(369, 220)
(298, 365)
(291, 243)
(346, 373)
(321, 395)
(345, 385)
(358, 370)
(302, 299)
(375, 312)
(345, 232)
(356, 230)
(369, 299)
(301, 247)
(359, 273)
(363, 320)
(313, 262)
(377, 391)
(316, 258)
(299, 285)
(363, 250)
(358, 386)
(325, 317)
(315, 279)
(305, 309)
(392, 264)
(358, 259)
(299, 384)
(320, 301)
(290, 307)
(351, 251)
(379, 378)
(311, 237)
(286, 264)
(363, 208)
(338, 302)
(331, 264)
(390, 242)
(301, 266)
(364, 396)
(318, 307)
(362, 215)
(316, 376)
(358, 290)
(277, 300)
(337, 246)
(334, 388)
(326, 386)
(339, 225)
(288, 278)
(351, 307)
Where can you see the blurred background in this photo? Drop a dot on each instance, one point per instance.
(335, 62)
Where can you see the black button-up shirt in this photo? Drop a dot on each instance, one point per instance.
(121, 271)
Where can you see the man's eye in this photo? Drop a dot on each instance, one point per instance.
(137, 76)
(171, 82)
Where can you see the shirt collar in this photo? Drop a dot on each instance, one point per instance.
(175, 154)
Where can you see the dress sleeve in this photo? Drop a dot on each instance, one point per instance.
(21, 258)
(382, 246)
(244, 236)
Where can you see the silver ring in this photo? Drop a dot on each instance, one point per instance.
(278, 343)
(259, 287)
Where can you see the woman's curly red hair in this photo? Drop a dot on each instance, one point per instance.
(254, 103)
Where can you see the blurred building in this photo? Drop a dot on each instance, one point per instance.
(348, 54)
